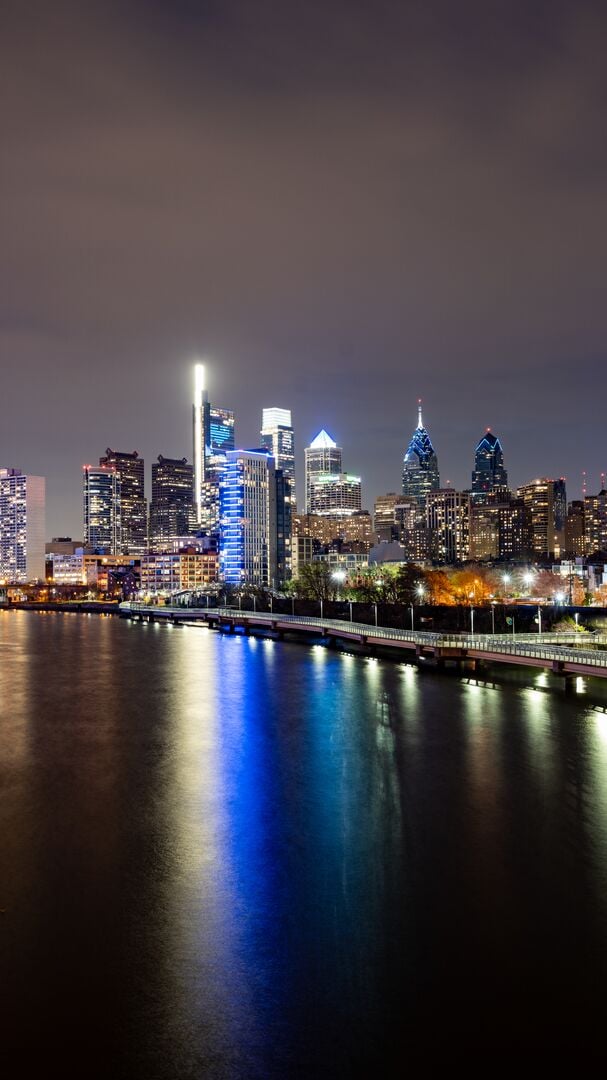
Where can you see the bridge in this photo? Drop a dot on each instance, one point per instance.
(561, 654)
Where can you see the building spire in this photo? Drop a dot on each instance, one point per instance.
(419, 414)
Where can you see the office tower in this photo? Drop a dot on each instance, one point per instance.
(546, 506)
(130, 471)
(448, 521)
(277, 437)
(489, 479)
(334, 495)
(248, 532)
(420, 465)
(171, 508)
(201, 422)
(213, 437)
(411, 530)
(499, 531)
(595, 519)
(322, 458)
(102, 509)
(386, 529)
(575, 529)
(22, 527)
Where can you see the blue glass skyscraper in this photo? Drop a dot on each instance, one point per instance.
(489, 479)
(420, 465)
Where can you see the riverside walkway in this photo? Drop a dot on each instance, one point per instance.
(561, 654)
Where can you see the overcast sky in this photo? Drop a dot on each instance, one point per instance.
(342, 206)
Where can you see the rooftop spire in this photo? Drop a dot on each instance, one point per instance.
(419, 413)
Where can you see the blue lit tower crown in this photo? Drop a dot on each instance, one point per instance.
(420, 465)
(489, 479)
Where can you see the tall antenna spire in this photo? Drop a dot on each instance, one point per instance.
(419, 413)
(584, 484)
(602, 481)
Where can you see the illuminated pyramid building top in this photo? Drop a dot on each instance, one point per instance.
(489, 479)
(420, 465)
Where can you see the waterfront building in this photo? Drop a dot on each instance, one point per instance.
(323, 457)
(595, 522)
(248, 519)
(22, 527)
(420, 465)
(489, 479)
(109, 573)
(546, 506)
(129, 469)
(62, 569)
(448, 521)
(174, 572)
(102, 509)
(171, 506)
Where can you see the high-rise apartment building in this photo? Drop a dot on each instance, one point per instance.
(102, 509)
(384, 517)
(489, 479)
(448, 520)
(595, 522)
(420, 465)
(322, 458)
(546, 506)
(129, 468)
(248, 533)
(575, 530)
(499, 531)
(171, 507)
(22, 527)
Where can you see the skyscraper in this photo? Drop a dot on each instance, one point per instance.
(102, 509)
(448, 520)
(248, 540)
(277, 437)
(213, 437)
(130, 471)
(489, 479)
(595, 522)
(420, 465)
(546, 508)
(322, 458)
(22, 527)
(172, 501)
(335, 495)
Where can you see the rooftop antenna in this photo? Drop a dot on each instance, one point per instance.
(419, 413)
(602, 481)
(584, 484)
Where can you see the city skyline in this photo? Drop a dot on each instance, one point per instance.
(414, 210)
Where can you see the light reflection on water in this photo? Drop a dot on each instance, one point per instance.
(278, 860)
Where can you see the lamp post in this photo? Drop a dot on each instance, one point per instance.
(539, 618)
(412, 626)
(339, 576)
(471, 598)
(375, 606)
(321, 609)
(493, 616)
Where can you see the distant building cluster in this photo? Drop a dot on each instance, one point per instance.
(232, 516)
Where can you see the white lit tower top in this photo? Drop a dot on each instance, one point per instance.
(277, 437)
(201, 435)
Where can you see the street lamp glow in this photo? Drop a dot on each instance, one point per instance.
(421, 592)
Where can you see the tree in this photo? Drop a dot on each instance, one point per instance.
(314, 582)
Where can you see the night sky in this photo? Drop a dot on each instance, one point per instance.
(341, 206)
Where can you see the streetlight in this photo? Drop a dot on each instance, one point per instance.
(539, 619)
(493, 602)
(528, 579)
(506, 580)
(339, 576)
(412, 626)
(471, 598)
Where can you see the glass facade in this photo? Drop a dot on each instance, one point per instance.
(248, 547)
(420, 465)
(489, 479)
(322, 458)
(171, 508)
(102, 509)
(130, 471)
(22, 527)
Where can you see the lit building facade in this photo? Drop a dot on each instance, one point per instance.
(22, 527)
(575, 529)
(129, 469)
(448, 521)
(336, 495)
(324, 529)
(546, 506)
(420, 465)
(489, 479)
(171, 507)
(248, 534)
(595, 522)
(173, 572)
(499, 531)
(322, 457)
(213, 438)
(102, 509)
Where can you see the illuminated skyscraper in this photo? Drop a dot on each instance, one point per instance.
(213, 430)
(22, 527)
(546, 508)
(171, 506)
(448, 521)
(322, 458)
(247, 552)
(489, 479)
(420, 465)
(130, 471)
(595, 522)
(102, 509)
